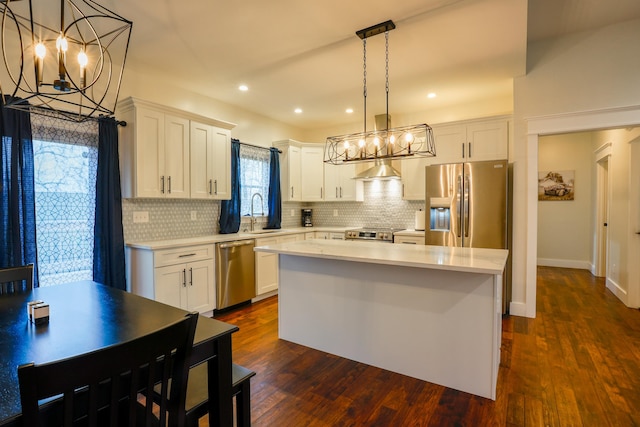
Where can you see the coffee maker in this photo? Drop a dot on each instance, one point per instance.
(306, 217)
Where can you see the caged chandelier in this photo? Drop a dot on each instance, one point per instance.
(65, 55)
(379, 144)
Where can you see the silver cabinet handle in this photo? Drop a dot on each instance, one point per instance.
(162, 184)
(211, 186)
(463, 150)
(469, 151)
(169, 181)
(292, 191)
(191, 277)
(186, 255)
(184, 278)
(215, 186)
(321, 192)
(336, 192)
(341, 192)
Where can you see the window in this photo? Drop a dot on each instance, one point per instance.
(254, 171)
(65, 163)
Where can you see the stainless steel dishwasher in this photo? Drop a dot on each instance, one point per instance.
(235, 272)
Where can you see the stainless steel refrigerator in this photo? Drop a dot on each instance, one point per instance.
(467, 206)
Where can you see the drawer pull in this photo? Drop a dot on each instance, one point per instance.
(186, 255)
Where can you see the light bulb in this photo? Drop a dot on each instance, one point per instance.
(40, 50)
(346, 145)
(83, 59)
(392, 139)
(361, 143)
(408, 137)
(376, 141)
(61, 44)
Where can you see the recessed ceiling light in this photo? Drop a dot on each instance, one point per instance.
(243, 88)
(349, 110)
(298, 111)
(431, 95)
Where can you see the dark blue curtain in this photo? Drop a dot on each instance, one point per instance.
(17, 192)
(230, 209)
(274, 220)
(108, 243)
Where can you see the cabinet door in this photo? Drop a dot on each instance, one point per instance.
(176, 148)
(170, 283)
(413, 178)
(266, 268)
(295, 175)
(487, 140)
(312, 183)
(221, 174)
(408, 240)
(149, 154)
(347, 188)
(450, 143)
(332, 182)
(201, 161)
(200, 292)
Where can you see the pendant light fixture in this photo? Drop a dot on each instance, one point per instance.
(384, 143)
(65, 55)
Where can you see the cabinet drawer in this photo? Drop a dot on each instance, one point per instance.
(409, 240)
(182, 255)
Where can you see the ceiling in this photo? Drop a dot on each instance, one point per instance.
(303, 54)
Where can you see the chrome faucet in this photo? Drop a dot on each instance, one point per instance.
(253, 218)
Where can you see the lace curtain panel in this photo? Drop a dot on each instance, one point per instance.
(254, 168)
(65, 158)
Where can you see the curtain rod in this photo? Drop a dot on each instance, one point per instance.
(255, 146)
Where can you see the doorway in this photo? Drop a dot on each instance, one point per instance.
(603, 155)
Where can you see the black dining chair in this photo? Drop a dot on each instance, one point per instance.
(113, 386)
(16, 279)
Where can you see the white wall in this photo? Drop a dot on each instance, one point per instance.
(565, 227)
(250, 127)
(592, 74)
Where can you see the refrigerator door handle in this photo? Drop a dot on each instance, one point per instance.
(459, 203)
(467, 184)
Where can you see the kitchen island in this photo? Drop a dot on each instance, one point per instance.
(429, 312)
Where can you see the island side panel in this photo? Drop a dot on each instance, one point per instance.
(436, 325)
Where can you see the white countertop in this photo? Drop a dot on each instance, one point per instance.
(417, 233)
(472, 260)
(219, 238)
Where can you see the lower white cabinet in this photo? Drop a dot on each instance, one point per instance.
(267, 264)
(329, 235)
(181, 277)
(409, 240)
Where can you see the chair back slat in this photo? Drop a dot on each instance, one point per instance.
(105, 384)
(16, 279)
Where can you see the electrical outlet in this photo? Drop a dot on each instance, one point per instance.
(194, 215)
(140, 216)
(293, 212)
(335, 212)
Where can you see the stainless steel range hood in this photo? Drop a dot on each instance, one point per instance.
(382, 169)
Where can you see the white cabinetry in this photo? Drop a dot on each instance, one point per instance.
(156, 152)
(210, 162)
(409, 240)
(339, 184)
(267, 263)
(461, 142)
(301, 171)
(290, 172)
(182, 277)
(312, 172)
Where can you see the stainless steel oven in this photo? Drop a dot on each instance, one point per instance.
(371, 234)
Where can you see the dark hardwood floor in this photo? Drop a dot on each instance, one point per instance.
(577, 363)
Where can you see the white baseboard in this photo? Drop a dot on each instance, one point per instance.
(620, 293)
(564, 263)
(265, 296)
(518, 309)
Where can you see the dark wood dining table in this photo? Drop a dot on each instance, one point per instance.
(85, 316)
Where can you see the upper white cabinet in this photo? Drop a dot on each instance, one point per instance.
(210, 162)
(312, 172)
(339, 184)
(156, 152)
(471, 141)
(301, 171)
